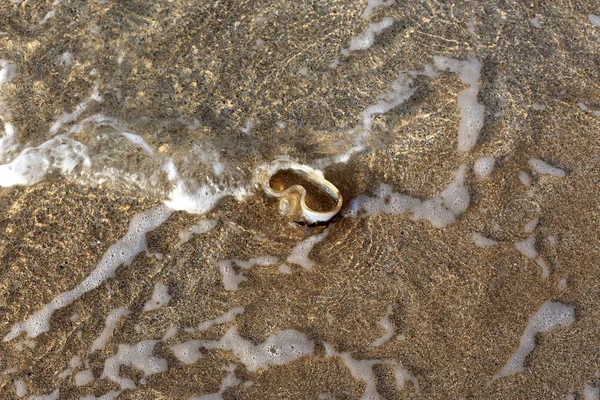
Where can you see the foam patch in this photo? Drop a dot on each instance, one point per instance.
(112, 320)
(550, 316)
(160, 297)
(138, 356)
(441, 210)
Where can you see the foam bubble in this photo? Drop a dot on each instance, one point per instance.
(197, 229)
(187, 352)
(111, 395)
(8, 71)
(228, 381)
(362, 370)
(545, 270)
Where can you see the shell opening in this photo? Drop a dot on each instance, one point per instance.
(303, 192)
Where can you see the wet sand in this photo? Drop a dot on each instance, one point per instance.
(457, 310)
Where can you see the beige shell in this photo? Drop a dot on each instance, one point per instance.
(324, 198)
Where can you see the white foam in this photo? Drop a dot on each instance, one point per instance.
(73, 363)
(591, 392)
(112, 320)
(301, 251)
(542, 167)
(471, 112)
(84, 377)
(8, 142)
(231, 279)
(122, 252)
(197, 199)
(561, 286)
(535, 22)
(138, 356)
(482, 241)
(361, 370)
(545, 270)
(387, 326)
(399, 92)
(49, 15)
(187, 352)
(550, 316)
(229, 316)
(285, 269)
(527, 247)
(441, 210)
(373, 4)
(58, 153)
(66, 118)
(20, 388)
(281, 348)
(538, 107)
(55, 395)
(138, 141)
(65, 60)
(198, 229)
(524, 178)
(484, 166)
(531, 225)
(228, 381)
(170, 333)
(33, 163)
(247, 129)
(367, 38)
(594, 19)
(8, 71)
(160, 297)
(402, 376)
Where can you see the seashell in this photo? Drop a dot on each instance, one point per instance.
(303, 192)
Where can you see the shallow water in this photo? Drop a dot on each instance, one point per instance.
(140, 257)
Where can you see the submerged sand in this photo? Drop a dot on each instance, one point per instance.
(457, 310)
